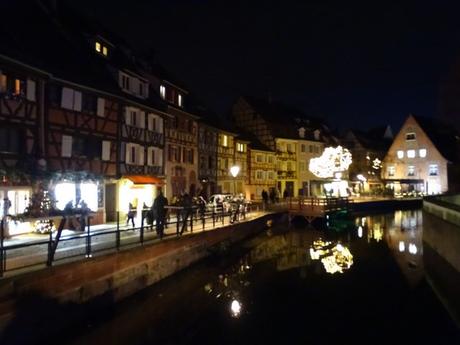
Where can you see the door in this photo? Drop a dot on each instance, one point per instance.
(290, 188)
(110, 202)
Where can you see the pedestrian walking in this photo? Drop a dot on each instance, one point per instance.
(186, 211)
(265, 198)
(131, 214)
(159, 211)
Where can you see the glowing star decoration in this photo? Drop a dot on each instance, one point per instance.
(333, 160)
(376, 164)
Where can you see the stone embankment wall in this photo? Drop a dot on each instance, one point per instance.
(122, 274)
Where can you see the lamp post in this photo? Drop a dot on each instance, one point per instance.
(234, 171)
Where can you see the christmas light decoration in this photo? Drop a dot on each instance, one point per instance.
(333, 160)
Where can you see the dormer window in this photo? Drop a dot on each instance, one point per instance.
(163, 91)
(101, 48)
(179, 100)
(410, 136)
(302, 132)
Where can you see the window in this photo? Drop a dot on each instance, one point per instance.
(289, 166)
(411, 170)
(71, 99)
(422, 153)
(162, 91)
(88, 147)
(259, 158)
(410, 136)
(259, 174)
(179, 100)
(2, 83)
(133, 118)
(302, 165)
(11, 140)
(289, 147)
(310, 148)
(105, 51)
(225, 140)
(391, 171)
(152, 123)
(270, 159)
(410, 153)
(89, 104)
(240, 147)
(98, 47)
(433, 170)
(270, 175)
(400, 154)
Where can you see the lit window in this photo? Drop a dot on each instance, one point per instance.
(162, 91)
(224, 140)
(104, 51)
(400, 154)
(433, 170)
(422, 153)
(259, 175)
(179, 100)
(270, 159)
(88, 193)
(411, 170)
(410, 136)
(259, 158)
(98, 47)
(240, 147)
(391, 171)
(410, 153)
(64, 193)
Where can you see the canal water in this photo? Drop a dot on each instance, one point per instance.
(294, 285)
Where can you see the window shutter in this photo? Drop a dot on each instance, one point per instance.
(128, 153)
(66, 146)
(106, 150)
(67, 98)
(77, 101)
(100, 106)
(149, 156)
(160, 125)
(141, 119)
(159, 157)
(31, 93)
(128, 116)
(140, 156)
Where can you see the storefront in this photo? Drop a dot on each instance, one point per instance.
(405, 187)
(17, 198)
(139, 191)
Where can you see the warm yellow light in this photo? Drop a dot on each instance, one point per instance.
(235, 308)
(104, 51)
(402, 247)
(360, 231)
(234, 170)
(98, 47)
(64, 192)
(333, 160)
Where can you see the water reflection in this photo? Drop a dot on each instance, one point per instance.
(335, 258)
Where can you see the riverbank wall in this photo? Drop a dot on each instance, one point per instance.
(119, 275)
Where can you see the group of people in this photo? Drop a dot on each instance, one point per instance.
(156, 214)
(273, 196)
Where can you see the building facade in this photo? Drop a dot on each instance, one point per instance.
(262, 173)
(308, 183)
(286, 163)
(225, 160)
(419, 158)
(207, 152)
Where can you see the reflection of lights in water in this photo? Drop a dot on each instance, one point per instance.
(360, 231)
(334, 258)
(412, 248)
(235, 308)
(378, 233)
(402, 246)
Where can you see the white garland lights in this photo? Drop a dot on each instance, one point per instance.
(333, 160)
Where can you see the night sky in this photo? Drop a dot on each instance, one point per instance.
(358, 66)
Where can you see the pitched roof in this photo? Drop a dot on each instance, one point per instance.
(373, 139)
(254, 142)
(443, 135)
(285, 120)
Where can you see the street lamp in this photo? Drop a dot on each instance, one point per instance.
(234, 170)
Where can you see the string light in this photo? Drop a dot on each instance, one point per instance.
(333, 160)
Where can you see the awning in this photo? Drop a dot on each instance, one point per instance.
(144, 179)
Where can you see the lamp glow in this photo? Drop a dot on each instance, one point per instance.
(235, 308)
(235, 170)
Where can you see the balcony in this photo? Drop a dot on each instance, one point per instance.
(155, 138)
(155, 170)
(222, 150)
(283, 174)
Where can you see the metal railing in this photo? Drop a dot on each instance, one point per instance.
(115, 237)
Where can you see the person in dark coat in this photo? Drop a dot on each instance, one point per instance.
(159, 211)
(265, 197)
(131, 214)
(186, 211)
(272, 196)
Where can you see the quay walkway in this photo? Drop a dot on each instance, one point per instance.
(33, 251)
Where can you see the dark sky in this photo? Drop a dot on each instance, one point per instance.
(358, 66)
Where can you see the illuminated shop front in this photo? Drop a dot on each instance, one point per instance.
(19, 197)
(137, 190)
